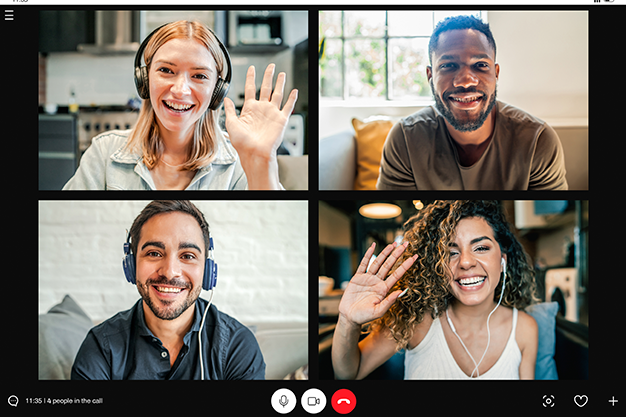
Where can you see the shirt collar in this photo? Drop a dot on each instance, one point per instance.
(225, 155)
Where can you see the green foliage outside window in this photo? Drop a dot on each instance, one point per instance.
(376, 55)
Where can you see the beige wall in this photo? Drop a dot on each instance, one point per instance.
(334, 227)
(543, 59)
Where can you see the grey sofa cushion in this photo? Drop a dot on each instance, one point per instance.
(337, 161)
(61, 332)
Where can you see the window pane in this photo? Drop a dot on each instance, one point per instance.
(330, 24)
(365, 68)
(331, 69)
(365, 23)
(378, 54)
(408, 59)
(410, 23)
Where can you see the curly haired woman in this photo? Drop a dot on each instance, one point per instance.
(443, 300)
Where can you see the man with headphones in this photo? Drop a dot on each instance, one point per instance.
(170, 333)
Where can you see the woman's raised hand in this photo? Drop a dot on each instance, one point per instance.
(365, 299)
(258, 131)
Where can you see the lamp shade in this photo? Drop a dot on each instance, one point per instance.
(380, 211)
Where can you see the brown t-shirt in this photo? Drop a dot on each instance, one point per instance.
(524, 154)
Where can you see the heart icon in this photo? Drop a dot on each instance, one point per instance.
(581, 400)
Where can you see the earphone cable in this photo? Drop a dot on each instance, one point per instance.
(200, 336)
(488, 332)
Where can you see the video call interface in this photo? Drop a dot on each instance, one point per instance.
(298, 300)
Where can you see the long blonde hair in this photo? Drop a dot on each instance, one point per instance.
(145, 136)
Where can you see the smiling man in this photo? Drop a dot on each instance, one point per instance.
(170, 333)
(469, 140)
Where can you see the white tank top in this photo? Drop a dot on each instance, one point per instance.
(432, 359)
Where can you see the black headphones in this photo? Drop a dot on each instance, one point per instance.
(141, 74)
(209, 279)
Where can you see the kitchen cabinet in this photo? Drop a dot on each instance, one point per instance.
(256, 32)
(99, 32)
(64, 30)
(58, 148)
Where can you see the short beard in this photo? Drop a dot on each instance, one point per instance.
(168, 313)
(463, 126)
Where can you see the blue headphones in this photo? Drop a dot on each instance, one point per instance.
(210, 268)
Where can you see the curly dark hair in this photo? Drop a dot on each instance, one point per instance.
(428, 280)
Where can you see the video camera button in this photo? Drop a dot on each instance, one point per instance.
(313, 401)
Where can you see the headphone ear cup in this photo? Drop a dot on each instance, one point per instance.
(219, 93)
(128, 264)
(210, 275)
(141, 82)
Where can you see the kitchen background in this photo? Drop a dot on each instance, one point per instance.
(86, 64)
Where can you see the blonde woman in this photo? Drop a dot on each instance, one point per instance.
(177, 143)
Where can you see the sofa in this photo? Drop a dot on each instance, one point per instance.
(293, 172)
(349, 160)
(337, 161)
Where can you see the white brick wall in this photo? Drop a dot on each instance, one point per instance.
(261, 248)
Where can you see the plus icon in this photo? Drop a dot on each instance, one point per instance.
(613, 401)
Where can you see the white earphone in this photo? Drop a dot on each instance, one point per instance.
(476, 365)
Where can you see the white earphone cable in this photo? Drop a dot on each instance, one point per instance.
(488, 332)
(461, 340)
(200, 337)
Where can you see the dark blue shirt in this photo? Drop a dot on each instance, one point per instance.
(123, 347)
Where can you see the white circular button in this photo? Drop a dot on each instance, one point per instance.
(313, 401)
(283, 401)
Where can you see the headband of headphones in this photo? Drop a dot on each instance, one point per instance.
(141, 73)
(209, 280)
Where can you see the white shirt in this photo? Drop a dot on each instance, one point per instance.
(432, 359)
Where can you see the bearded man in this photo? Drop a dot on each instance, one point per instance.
(469, 140)
(171, 333)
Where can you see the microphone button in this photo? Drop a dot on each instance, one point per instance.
(283, 401)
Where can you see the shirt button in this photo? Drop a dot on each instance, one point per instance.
(164, 354)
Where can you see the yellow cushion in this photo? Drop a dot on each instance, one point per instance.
(370, 138)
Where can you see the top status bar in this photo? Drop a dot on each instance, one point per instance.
(484, 3)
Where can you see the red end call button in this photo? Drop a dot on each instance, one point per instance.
(343, 401)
